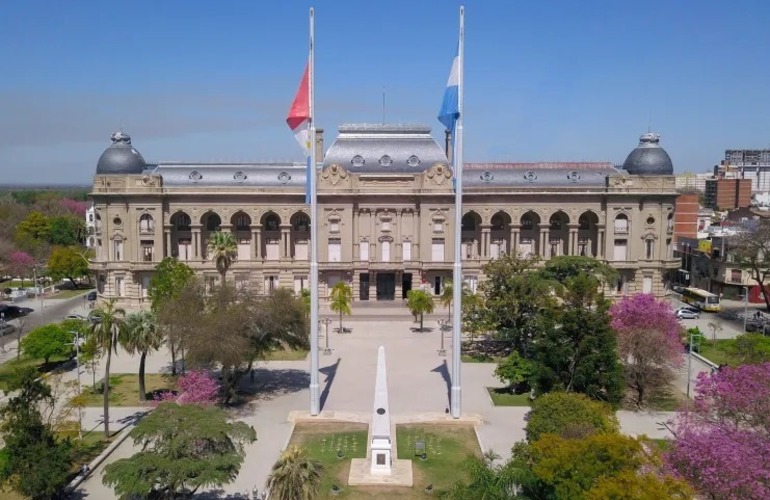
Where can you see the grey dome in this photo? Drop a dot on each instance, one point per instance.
(120, 157)
(648, 158)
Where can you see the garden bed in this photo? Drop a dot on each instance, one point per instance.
(124, 389)
(502, 396)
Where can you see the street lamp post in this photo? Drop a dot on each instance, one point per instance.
(80, 389)
(326, 322)
(442, 324)
(745, 306)
(689, 368)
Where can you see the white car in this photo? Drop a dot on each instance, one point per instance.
(76, 316)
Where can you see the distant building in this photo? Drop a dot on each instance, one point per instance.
(686, 220)
(752, 164)
(692, 182)
(705, 219)
(727, 194)
(90, 227)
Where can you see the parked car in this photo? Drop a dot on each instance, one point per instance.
(78, 317)
(687, 313)
(9, 312)
(6, 329)
(91, 296)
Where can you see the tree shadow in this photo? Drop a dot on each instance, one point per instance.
(443, 370)
(330, 372)
(219, 494)
(269, 383)
(425, 329)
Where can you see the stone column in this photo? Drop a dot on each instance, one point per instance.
(486, 235)
(515, 234)
(545, 236)
(356, 237)
(372, 285)
(285, 241)
(600, 245)
(258, 241)
(398, 240)
(573, 239)
(167, 232)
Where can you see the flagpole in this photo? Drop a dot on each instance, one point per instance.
(315, 400)
(457, 274)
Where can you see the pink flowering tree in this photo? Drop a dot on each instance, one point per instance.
(196, 387)
(74, 207)
(20, 264)
(649, 343)
(722, 446)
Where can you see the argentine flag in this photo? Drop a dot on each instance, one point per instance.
(450, 107)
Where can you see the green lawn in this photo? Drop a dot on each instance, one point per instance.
(479, 358)
(8, 368)
(501, 396)
(286, 355)
(719, 352)
(124, 388)
(446, 446)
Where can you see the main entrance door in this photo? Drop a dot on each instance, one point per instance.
(406, 284)
(386, 286)
(363, 286)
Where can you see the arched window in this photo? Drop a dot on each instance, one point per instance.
(146, 224)
(301, 222)
(621, 224)
(183, 222)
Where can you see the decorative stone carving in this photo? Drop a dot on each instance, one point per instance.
(439, 173)
(334, 174)
(622, 182)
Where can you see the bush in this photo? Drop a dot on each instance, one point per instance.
(569, 415)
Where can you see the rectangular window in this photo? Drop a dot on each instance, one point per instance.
(120, 287)
(211, 283)
(385, 251)
(437, 250)
(244, 250)
(185, 249)
(620, 250)
(300, 250)
(363, 250)
(117, 250)
(148, 251)
(583, 247)
(621, 225)
(468, 249)
(145, 284)
(241, 281)
(406, 250)
(649, 246)
(669, 252)
(647, 284)
(736, 276)
(300, 283)
(494, 250)
(146, 224)
(555, 247)
(335, 250)
(272, 249)
(472, 282)
(271, 283)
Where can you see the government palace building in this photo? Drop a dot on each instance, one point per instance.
(385, 209)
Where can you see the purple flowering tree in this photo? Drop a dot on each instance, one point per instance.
(74, 207)
(20, 264)
(649, 343)
(196, 387)
(722, 446)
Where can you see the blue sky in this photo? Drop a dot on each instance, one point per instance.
(545, 80)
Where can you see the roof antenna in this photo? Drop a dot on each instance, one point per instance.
(383, 105)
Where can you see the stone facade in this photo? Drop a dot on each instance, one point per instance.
(384, 230)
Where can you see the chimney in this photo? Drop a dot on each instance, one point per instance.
(448, 145)
(319, 145)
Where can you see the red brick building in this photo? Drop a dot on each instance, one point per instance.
(728, 194)
(686, 216)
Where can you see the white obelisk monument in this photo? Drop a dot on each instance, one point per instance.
(381, 442)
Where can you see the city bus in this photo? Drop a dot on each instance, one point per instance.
(703, 300)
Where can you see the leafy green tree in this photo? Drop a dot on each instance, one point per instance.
(419, 303)
(474, 317)
(67, 262)
(36, 464)
(751, 348)
(576, 349)
(569, 266)
(169, 279)
(569, 415)
(304, 294)
(46, 341)
(447, 296)
(697, 338)
(555, 467)
(340, 299)
(751, 250)
(222, 249)
(513, 297)
(295, 476)
(36, 225)
(66, 230)
(514, 370)
(142, 336)
(107, 331)
(90, 352)
(183, 448)
(487, 481)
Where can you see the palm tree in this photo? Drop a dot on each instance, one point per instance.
(419, 302)
(341, 297)
(142, 336)
(295, 476)
(107, 331)
(222, 249)
(447, 296)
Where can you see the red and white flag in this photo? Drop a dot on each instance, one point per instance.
(299, 113)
